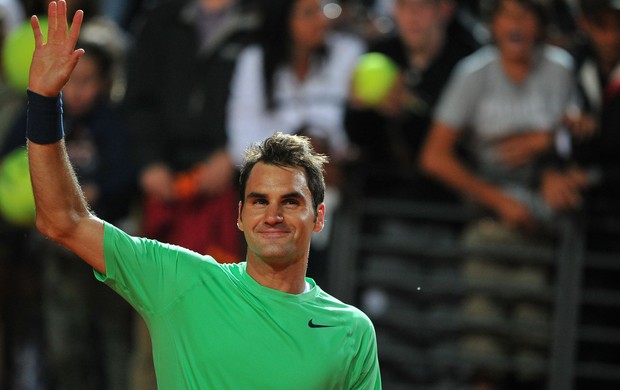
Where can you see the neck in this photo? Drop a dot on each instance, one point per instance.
(289, 278)
(301, 62)
(517, 70)
(421, 56)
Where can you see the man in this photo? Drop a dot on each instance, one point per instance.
(504, 104)
(178, 77)
(589, 179)
(426, 45)
(592, 171)
(256, 324)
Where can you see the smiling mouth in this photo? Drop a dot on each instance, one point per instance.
(274, 233)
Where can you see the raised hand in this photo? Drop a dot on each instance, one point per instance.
(53, 62)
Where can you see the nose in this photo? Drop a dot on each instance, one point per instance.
(274, 215)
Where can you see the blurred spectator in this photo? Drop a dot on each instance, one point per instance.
(87, 327)
(177, 88)
(512, 96)
(178, 79)
(589, 179)
(295, 80)
(11, 16)
(593, 167)
(425, 52)
(505, 104)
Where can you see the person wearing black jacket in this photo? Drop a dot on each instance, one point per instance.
(178, 75)
(426, 44)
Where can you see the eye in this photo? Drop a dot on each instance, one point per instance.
(291, 202)
(259, 201)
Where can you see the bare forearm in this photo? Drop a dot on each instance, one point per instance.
(58, 197)
(439, 160)
(61, 209)
(455, 175)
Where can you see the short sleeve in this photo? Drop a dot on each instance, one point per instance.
(149, 274)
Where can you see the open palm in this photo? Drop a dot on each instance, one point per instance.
(53, 62)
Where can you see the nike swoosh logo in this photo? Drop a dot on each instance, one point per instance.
(313, 325)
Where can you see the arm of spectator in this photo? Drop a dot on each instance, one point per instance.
(562, 190)
(520, 149)
(581, 125)
(438, 159)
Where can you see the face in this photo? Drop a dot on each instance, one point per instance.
(516, 30)
(419, 20)
(605, 35)
(83, 88)
(308, 24)
(277, 217)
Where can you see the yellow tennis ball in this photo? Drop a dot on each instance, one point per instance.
(16, 198)
(17, 54)
(373, 77)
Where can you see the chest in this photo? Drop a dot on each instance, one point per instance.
(261, 345)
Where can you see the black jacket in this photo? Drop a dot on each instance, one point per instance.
(176, 92)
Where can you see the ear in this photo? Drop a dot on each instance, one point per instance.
(239, 221)
(319, 221)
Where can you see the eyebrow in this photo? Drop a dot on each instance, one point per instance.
(258, 195)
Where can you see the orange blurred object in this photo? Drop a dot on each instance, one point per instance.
(186, 185)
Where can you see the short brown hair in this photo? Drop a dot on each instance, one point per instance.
(490, 7)
(285, 150)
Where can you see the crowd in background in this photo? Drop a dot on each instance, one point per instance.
(510, 106)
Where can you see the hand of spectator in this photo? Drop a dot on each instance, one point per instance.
(53, 62)
(514, 213)
(157, 181)
(562, 191)
(581, 125)
(520, 149)
(394, 102)
(216, 174)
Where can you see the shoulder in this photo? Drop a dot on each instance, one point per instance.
(121, 244)
(251, 54)
(558, 57)
(479, 61)
(348, 313)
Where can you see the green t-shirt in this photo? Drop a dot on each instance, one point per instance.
(214, 327)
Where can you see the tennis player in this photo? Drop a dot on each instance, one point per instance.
(257, 324)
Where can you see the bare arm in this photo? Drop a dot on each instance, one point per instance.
(438, 158)
(61, 209)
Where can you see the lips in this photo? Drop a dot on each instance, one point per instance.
(274, 233)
